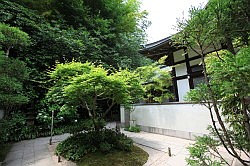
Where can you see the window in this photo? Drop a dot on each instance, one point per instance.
(197, 75)
(198, 80)
(196, 68)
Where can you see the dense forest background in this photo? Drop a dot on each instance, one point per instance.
(107, 32)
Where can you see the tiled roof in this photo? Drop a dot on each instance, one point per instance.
(156, 44)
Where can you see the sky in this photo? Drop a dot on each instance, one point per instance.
(163, 15)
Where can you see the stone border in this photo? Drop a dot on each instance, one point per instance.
(169, 132)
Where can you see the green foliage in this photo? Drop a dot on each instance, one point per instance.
(229, 81)
(42, 6)
(197, 31)
(55, 100)
(97, 33)
(12, 37)
(218, 23)
(204, 152)
(13, 73)
(11, 129)
(86, 86)
(132, 84)
(195, 95)
(104, 13)
(230, 24)
(13, 68)
(156, 81)
(76, 146)
(135, 129)
(233, 70)
(15, 128)
(228, 72)
(231, 78)
(62, 31)
(74, 127)
(136, 157)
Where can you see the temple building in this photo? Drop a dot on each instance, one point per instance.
(187, 71)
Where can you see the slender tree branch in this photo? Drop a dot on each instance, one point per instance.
(86, 105)
(217, 54)
(107, 111)
(246, 119)
(227, 138)
(219, 155)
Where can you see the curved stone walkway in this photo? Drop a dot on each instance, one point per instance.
(38, 152)
(158, 146)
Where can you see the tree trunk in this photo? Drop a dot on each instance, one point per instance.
(246, 119)
(7, 52)
(230, 46)
(5, 113)
(215, 105)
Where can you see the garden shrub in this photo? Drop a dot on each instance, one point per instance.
(135, 129)
(13, 74)
(204, 152)
(76, 127)
(76, 146)
(15, 128)
(12, 128)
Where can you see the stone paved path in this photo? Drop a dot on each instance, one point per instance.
(38, 152)
(157, 147)
(34, 152)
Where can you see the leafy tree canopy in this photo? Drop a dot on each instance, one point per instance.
(230, 85)
(95, 90)
(11, 37)
(221, 22)
(156, 81)
(86, 86)
(105, 32)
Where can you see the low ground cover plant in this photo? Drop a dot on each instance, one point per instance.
(137, 157)
(135, 129)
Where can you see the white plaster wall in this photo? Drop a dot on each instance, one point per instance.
(212, 48)
(195, 62)
(181, 69)
(122, 114)
(180, 117)
(179, 55)
(183, 88)
(192, 53)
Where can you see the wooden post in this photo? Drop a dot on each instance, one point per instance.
(51, 128)
(169, 152)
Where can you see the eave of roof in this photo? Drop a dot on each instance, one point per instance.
(152, 46)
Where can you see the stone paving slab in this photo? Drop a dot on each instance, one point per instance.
(38, 152)
(32, 152)
(155, 156)
(160, 144)
(178, 148)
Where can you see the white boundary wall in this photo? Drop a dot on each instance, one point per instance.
(184, 120)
